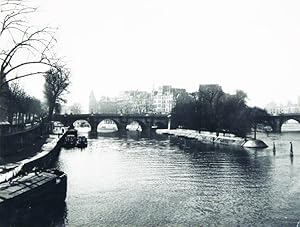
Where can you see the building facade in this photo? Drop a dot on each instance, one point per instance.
(161, 101)
(164, 99)
(93, 105)
(288, 108)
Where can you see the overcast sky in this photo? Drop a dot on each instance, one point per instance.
(118, 45)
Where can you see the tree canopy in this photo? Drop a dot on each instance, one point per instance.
(24, 49)
(20, 102)
(57, 80)
(214, 110)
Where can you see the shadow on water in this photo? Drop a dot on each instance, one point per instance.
(47, 214)
(215, 154)
(246, 160)
(135, 135)
(102, 134)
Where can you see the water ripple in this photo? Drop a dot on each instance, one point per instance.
(147, 182)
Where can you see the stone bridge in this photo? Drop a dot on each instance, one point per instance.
(276, 121)
(146, 121)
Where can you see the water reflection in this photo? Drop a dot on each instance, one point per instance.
(50, 214)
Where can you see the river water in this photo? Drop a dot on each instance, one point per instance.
(166, 181)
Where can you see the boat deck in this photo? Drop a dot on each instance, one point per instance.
(21, 185)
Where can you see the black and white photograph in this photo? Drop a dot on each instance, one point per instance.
(149, 113)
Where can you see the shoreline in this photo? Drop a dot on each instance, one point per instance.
(42, 157)
(214, 138)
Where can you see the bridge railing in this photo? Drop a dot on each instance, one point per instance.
(110, 115)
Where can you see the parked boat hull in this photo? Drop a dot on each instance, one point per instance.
(33, 188)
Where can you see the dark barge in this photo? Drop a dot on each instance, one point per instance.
(33, 188)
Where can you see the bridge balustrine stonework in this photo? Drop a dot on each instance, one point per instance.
(146, 121)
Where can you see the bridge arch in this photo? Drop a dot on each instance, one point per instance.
(286, 127)
(82, 125)
(276, 121)
(141, 125)
(108, 125)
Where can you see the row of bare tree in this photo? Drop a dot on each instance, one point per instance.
(26, 50)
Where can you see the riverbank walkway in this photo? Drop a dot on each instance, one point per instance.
(11, 165)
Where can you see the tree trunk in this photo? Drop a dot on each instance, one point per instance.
(50, 112)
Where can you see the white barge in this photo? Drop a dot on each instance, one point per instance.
(214, 138)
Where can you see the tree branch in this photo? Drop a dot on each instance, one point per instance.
(27, 63)
(19, 77)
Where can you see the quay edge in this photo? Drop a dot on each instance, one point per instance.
(30, 182)
(43, 159)
(213, 138)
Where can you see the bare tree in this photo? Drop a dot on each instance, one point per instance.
(20, 102)
(76, 108)
(57, 80)
(24, 50)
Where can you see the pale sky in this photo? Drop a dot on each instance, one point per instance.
(116, 45)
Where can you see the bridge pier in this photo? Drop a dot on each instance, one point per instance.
(94, 124)
(277, 126)
(147, 130)
(93, 131)
(122, 128)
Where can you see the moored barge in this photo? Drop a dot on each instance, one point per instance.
(32, 188)
(215, 138)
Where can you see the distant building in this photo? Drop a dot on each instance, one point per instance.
(164, 99)
(275, 109)
(137, 102)
(271, 108)
(93, 105)
(107, 105)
